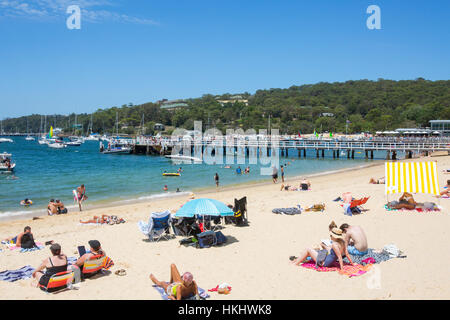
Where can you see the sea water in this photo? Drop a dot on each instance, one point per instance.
(43, 173)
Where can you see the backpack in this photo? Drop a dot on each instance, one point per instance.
(206, 239)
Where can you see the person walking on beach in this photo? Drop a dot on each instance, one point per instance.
(81, 194)
(282, 173)
(216, 179)
(275, 174)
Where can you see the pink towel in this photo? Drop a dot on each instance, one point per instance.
(348, 269)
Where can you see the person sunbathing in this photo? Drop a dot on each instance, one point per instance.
(53, 265)
(179, 287)
(288, 188)
(406, 201)
(335, 252)
(379, 181)
(445, 192)
(103, 219)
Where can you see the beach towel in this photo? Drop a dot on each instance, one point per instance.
(348, 269)
(201, 292)
(437, 209)
(40, 245)
(19, 274)
(371, 257)
(288, 211)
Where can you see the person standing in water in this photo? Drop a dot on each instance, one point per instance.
(216, 179)
(81, 194)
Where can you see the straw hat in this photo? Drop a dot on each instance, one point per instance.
(336, 233)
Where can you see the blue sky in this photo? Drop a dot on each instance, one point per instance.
(143, 50)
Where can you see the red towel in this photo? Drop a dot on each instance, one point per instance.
(348, 269)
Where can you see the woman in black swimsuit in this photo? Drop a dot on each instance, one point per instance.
(55, 264)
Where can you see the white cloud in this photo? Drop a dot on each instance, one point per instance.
(91, 10)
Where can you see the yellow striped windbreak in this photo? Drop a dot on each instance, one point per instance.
(412, 177)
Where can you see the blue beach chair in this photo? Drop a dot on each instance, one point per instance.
(158, 226)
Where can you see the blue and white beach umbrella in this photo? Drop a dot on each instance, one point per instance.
(204, 207)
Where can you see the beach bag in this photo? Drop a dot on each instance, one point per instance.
(429, 205)
(355, 210)
(62, 211)
(220, 238)
(206, 239)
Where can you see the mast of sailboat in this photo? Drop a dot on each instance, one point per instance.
(117, 123)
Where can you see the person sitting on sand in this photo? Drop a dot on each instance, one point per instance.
(446, 189)
(179, 287)
(355, 239)
(52, 208)
(95, 250)
(60, 207)
(25, 239)
(305, 184)
(336, 251)
(379, 181)
(52, 265)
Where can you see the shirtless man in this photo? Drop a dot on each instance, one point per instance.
(52, 208)
(355, 239)
(96, 249)
(81, 194)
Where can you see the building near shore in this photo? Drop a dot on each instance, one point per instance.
(441, 126)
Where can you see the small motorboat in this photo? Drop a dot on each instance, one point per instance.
(6, 165)
(6, 140)
(57, 145)
(29, 138)
(180, 157)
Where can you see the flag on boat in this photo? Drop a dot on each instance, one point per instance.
(412, 177)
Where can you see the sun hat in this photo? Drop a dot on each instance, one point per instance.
(336, 233)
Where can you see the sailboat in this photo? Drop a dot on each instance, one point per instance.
(53, 142)
(43, 139)
(92, 136)
(115, 146)
(1, 133)
(28, 138)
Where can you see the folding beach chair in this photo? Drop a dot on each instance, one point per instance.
(94, 265)
(58, 281)
(240, 217)
(158, 226)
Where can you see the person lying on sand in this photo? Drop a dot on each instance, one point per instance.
(179, 287)
(103, 219)
(446, 189)
(52, 265)
(289, 188)
(379, 181)
(335, 252)
(406, 201)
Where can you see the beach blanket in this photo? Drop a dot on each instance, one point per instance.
(348, 269)
(438, 209)
(288, 211)
(371, 254)
(14, 247)
(19, 274)
(201, 292)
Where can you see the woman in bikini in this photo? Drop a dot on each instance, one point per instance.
(180, 287)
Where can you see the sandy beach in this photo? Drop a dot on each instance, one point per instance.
(255, 260)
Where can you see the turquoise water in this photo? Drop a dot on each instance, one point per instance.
(45, 173)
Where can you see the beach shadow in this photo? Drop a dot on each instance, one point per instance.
(101, 274)
(163, 239)
(230, 240)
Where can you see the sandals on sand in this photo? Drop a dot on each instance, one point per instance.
(120, 272)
